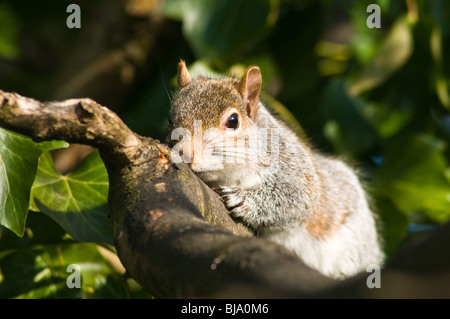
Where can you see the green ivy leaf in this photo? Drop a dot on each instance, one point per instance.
(43, 273)
(347, 128)
(392, 54)
(415, 177)
(19, 160)
(76, 201)
(221, 28)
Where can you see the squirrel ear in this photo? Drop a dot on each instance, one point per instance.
(249, 88)
(183, 76)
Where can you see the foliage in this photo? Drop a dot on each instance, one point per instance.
(77, 201)
(376, 97)
(19, 158)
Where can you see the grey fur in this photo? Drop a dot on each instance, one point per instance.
(312, 204)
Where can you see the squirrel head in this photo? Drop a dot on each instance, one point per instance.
(212, 100)
(226, 106)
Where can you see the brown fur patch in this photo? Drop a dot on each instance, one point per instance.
(326, 223)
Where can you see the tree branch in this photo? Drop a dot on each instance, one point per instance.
(173, 233)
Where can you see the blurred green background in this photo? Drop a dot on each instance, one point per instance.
(378, 97)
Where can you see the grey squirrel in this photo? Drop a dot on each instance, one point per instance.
(269, 178)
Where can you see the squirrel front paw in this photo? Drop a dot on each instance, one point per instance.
(234, 200)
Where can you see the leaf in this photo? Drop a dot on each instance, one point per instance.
(39, 230)
(347, 128)
(393, 53)
(42, 273)
(19, 272)
(18, 164)
(442, 88)
(415, 176)
(217, 29)
(76, 201)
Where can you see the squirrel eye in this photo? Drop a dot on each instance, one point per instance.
(233, 121)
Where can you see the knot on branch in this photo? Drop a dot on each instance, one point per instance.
(84, 111)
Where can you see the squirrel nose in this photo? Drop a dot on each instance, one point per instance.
(196, 154)
(187, 152)
(196, 151)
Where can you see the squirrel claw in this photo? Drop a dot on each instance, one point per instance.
(233, 198)
(240, 211)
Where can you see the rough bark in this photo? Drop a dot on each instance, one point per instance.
(173, 233)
